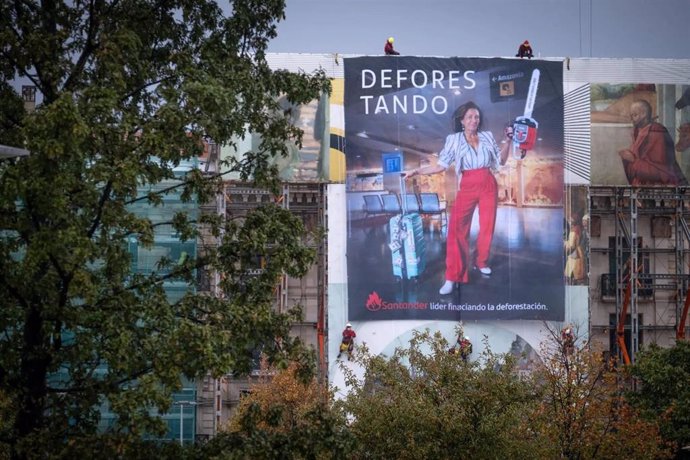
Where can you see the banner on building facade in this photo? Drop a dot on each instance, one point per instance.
(454, 179)
(640, 134)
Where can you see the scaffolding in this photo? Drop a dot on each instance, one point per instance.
(643, 235)
(308, 201)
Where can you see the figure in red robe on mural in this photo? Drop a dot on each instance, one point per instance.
(650, 159)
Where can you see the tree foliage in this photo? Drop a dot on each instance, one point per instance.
(129, 90)
(583, 413)
(284, 417)
(287, 394)
(424, 402)
(663, 392)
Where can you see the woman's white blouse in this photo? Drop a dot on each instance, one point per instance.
(457, 150)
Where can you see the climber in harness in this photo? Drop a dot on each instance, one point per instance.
(348, 342)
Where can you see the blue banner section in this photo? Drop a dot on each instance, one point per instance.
(454, 188)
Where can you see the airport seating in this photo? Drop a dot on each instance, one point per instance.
(430, 205)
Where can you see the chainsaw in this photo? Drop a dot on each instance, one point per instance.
(525, 127)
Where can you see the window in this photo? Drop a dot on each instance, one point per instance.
(613, 343)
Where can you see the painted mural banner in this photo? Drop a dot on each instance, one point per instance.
(308, 162)
(454, 180)
(640, 134)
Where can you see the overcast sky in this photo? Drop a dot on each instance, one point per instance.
(555, 28)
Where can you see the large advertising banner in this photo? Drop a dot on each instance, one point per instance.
(454, 188)
(640, 134)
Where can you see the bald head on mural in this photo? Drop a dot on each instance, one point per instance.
(650, 159)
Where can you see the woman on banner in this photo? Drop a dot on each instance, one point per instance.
(474, 153)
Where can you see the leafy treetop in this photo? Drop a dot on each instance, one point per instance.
(129, 91)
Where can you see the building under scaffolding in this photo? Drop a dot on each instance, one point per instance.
(637, 243)
(218, 397)
(640, 243)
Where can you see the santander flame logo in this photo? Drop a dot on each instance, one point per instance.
(374, 302)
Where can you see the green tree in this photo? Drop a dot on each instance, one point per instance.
(583, 413)
(424, 402)
(663, 392)
(128, 90)
(320, 435)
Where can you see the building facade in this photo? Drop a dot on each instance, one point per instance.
(632, 236)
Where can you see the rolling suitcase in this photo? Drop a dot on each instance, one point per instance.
(408, 249)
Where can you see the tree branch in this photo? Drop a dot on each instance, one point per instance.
(89, 47)
(157, 224)
(13, 291)
(101, 203)
(198, 263)
(99, 383)
(146, 85)
(182, 183)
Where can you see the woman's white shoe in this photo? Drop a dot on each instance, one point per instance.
(485, 270)
(447, 288)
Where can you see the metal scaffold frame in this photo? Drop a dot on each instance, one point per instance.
(638, 277)
(307, 200)
(310, 198)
